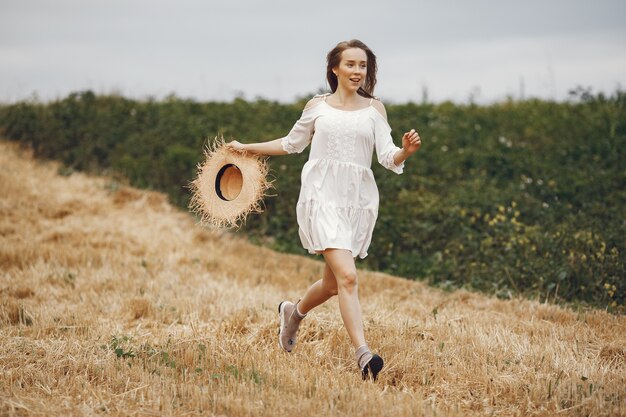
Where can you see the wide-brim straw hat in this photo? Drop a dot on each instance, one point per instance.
(230, 185)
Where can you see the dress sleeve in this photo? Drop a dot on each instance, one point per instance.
(385, 149)
(301, 133)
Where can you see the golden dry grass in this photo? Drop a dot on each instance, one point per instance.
(113, 302)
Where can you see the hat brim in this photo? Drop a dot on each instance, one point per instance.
(208, 201)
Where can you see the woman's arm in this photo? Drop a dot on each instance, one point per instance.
(411, 142)
(297, 139)
(271, 148)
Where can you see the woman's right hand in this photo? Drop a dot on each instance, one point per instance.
(236, 146)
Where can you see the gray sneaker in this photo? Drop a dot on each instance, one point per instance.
(289, 323)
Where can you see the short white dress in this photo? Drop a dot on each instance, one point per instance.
(338, 203)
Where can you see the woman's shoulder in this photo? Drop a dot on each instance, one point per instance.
(318, 98)
(379, 107)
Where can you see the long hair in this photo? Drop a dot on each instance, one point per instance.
(334, 58)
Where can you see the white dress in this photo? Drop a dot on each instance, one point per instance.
(338, 203)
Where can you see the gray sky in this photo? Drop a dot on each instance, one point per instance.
(276, 49)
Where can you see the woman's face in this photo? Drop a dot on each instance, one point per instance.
(352, 69)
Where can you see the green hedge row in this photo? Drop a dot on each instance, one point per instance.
(513, 198)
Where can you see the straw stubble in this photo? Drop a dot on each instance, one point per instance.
(114, 302)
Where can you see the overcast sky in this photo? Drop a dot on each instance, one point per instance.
(276, 49)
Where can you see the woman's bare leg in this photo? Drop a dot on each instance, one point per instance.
(342, 265)
(319, 292)
(292, 314)
(339, 278)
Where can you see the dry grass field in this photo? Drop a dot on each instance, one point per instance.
(113, 302)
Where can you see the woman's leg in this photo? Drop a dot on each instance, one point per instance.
(343, 268)
(319, 292)
(292, 314)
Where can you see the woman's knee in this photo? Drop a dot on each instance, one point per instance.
(347, 279)
(340, 263)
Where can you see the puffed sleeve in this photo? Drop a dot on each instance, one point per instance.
(385, 149)
(301, 133)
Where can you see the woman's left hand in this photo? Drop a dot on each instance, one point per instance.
(411, 142)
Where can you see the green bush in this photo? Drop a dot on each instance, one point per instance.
(520, 197)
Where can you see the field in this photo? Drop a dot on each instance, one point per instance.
(114, 302)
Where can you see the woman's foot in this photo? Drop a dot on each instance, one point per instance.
(290, 320)
(370, 364)
(372, 368)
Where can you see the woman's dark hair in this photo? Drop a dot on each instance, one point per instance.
(334, 58)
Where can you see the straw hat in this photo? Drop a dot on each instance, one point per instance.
(229, 186)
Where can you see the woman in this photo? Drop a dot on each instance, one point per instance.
(338, 202)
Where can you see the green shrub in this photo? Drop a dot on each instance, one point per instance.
(521, 197)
